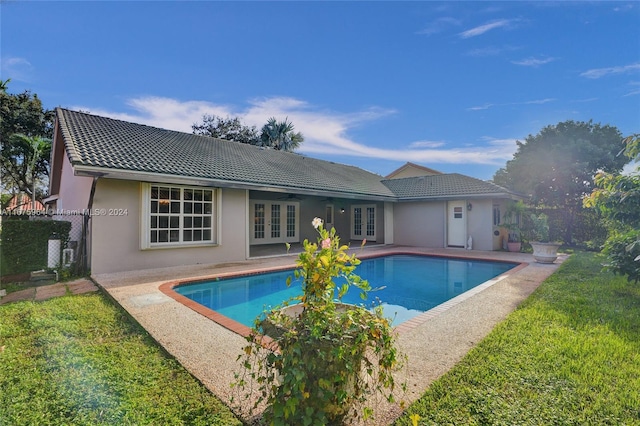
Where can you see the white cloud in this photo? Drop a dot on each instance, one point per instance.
(17, 69)
(426, 144)
(438, 26)
(492, 50)
(479, 30)
(635, 90)
(480, 107)
(533, 102)
(602, 72)
(326, 132)
(533, 62)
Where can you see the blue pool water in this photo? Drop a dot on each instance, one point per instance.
(412, 284)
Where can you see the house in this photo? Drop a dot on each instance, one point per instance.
(161, 198)
(23, 204)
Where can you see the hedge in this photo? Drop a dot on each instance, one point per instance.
(25, 243)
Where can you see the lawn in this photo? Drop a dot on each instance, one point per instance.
(570, 355)
(79, 360)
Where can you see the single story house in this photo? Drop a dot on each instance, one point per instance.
(161, 198)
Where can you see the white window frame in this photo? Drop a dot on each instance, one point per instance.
(364, 225)
(269, 224)
(146, 215)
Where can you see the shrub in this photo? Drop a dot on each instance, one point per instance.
(322, 364)
(25, 243)
(623, 252)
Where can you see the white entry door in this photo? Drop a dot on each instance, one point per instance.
(363, 222)
(273, 222)
(456, 224)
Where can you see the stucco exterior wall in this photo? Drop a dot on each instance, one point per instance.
(116, 238)
(73, 199)
(419, 224)
(480, 224)
(74, 190)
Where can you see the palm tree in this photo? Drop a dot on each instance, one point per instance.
(280, 135)
(25, 161)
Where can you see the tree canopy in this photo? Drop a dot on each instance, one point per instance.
(617, 198)
(226, 128)
(280, 135)
(26, 129)
(274, 134)
(556, 167)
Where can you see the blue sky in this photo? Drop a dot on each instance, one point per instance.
(448, 85)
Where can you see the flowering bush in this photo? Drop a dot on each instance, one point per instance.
(326, 360)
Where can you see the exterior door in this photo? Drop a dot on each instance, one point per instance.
(456, 224)
(363, 222)
(328, 217)
(273, 222)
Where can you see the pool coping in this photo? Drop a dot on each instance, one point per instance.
(210, 351)
(168, 288)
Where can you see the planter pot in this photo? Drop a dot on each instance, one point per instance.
(545, 252)
(514, 247)
(275, 330)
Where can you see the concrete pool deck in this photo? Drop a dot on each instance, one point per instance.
(433, 345)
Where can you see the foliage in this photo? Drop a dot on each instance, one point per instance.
(25, 161)
(23, 114)
(280, 135)
(323, 363)
(25, 243)
(556, 166)
(569, 355)
(511, 220)
(226, 128)
(617, 199)
(623, 254)
(274, 134)
(540, 228)
(80, 360)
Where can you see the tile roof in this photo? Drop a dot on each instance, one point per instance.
(119, 146)
(452, 185)
(101, 142)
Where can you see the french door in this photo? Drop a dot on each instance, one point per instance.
(273, 222)
(363, 222)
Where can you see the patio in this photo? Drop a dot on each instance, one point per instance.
(433, 344)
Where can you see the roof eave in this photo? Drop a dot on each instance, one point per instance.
(499, 195)
(94, 171)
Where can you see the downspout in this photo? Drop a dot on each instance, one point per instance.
(85, 223)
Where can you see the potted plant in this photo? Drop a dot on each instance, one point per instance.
(514, 239)
(511, 223)
(544, 251)
(319, 361)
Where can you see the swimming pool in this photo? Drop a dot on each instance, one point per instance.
(411, 285)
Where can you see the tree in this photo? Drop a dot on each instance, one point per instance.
(556, 167)
(25, 162)
(23, 114)
(280, 135)
(617, 198)
(226, 128)
(274, 134)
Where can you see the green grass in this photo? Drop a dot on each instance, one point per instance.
(570, 355)
(79, 360)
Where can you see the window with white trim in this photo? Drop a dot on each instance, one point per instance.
(177, 215)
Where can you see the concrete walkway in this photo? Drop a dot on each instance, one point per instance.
(45, 292)
(433, 345)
